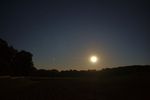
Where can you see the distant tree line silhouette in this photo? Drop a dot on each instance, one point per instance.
(124, 71)
(14, 62)
(19, 63)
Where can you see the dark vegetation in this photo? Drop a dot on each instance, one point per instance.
(20, 80)
(14, 62)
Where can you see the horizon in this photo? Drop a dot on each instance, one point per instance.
(63, 35)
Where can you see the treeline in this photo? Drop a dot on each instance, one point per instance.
(19, 63)
(135, 70)
(66, 73)
(14, 62)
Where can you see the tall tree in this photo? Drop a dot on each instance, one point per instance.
(14, 62)
(6, 56)
(22, 63)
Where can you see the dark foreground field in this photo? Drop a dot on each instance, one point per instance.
(114, 88)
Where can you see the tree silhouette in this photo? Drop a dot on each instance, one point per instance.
(6, 56)
(14, 62)
(22, 63)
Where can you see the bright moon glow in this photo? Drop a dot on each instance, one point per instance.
(93, 59)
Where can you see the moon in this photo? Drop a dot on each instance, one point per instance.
(93, 59)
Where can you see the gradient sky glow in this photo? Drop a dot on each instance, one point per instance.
(63, 34)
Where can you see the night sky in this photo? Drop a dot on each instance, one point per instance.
(62, 34)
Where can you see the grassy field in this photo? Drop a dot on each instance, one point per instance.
(125, 88)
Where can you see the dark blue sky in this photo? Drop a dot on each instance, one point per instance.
(62, 34)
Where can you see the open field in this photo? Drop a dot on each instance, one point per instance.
(125, 88)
